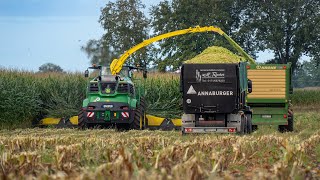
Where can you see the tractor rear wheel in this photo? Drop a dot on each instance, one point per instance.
(81, 122)
(138, 115)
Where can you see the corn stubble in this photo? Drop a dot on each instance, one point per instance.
(108, 154)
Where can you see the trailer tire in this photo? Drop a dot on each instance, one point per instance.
(289, 127)
(243, 125)
(249, 123)
(81, 122)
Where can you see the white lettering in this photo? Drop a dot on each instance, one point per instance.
(215, 93)
(266, 67)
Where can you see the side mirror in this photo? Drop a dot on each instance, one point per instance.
(144, 74)
(86, 73)
(181, 80)
(249, 86)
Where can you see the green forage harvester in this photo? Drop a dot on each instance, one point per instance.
(215, 54)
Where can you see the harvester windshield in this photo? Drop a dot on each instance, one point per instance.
(125, 71)
(105, 71)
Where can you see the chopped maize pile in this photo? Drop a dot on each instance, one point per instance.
(215, 54)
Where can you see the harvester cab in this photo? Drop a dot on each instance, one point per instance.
(112, 100)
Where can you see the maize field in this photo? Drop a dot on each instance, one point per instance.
(108, 154)
(26, 96)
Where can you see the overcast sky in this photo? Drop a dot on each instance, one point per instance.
(34, 32)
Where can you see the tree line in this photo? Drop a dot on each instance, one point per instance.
(289, 29)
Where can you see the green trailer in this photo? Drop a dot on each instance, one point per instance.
(270, 97)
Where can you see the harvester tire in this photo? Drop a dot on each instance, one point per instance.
(139, 112)
(143, 105)
(136, 119)
(81, 122)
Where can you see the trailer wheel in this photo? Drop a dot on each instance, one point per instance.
(289, 127)
(249, 123)
(81, 122)
(254, 128)
(243, 125)
(281, 128)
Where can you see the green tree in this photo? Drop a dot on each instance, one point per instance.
(289, 28)
(180, 14)
(99, 52)
(313, 71)
(125, 25)
(50, 67)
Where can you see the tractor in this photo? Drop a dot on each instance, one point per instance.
(113, 100)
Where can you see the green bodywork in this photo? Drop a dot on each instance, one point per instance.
(114, 97)
(243, 76)
(271, 111)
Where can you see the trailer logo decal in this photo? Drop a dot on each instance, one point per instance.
(210, 75)
(125, 114)
(191, 90)
(266, 67)
(215, 93)
(90, 114)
